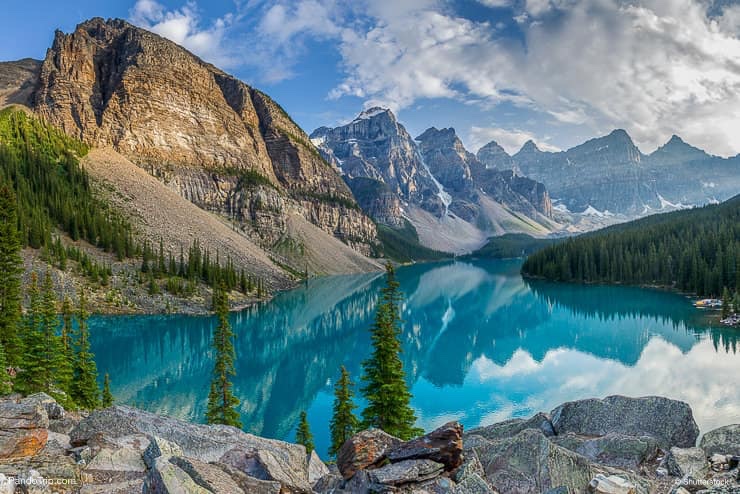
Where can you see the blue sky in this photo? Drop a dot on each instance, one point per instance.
(555, 71)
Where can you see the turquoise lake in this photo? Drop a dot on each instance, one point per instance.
(481, 345)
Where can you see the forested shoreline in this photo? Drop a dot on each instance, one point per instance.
(694, 251)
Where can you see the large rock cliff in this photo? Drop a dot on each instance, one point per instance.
(225, 146)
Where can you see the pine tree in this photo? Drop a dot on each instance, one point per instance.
(107, 396)
(344, 423)
(726, 302)
(85, 391)
(31, 376)
(303, 434)
(385, 386)
(67, 328)
(55, 371)
(222, 404)
(11, 268)
(6, 384)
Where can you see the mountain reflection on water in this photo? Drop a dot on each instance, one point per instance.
(480, 345)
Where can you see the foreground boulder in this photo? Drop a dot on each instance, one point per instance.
(444, 445)
(512, 427)
(614, 450)
(611, 485)
(669, 422)
(364, 450)
(530, 463)
(691, 462)
(373, 461)
(406, 471)
(23, 428)
(724, 440)
(262, 459)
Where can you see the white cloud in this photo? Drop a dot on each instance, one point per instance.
(184, 27)
(653, 67)
(511, 140)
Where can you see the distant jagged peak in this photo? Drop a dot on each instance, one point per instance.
(492, 148)
(677, 143)
(374, 112)
(617, 142)
(677, 148)
(619, 134)
(674, 140)
(446, 135)
(529, 147)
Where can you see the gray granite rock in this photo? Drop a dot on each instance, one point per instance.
(681, 462)
(614, 450)
(513, 427)
(724, 440)
(261, 458)
(406, 471)
(670, 422)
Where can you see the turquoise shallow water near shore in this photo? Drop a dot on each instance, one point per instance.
(480, 345)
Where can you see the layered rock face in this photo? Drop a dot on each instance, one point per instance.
(611, 174)
(433, 181)
(220, 143)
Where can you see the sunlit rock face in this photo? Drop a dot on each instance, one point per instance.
(222, 144)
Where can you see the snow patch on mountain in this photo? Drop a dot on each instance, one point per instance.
(443, 195)
(592, 211)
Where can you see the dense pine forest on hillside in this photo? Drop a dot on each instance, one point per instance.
(52, 190)
(695, 251)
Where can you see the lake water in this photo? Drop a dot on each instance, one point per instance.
(481, 345)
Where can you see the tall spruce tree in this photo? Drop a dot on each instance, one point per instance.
(385, 386)
(56, 369)
(30, 379)
(222, 404)
(106, 399)
(67, 328)
(85, 392)
(303, 433)
(11, 268)
(344, 423)
(6, 384)
(726, 303)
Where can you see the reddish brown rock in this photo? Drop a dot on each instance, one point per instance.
(22, 429)
(364, 450)
(443, 445)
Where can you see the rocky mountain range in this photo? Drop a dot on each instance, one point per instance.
(610, 175)
(234, 152)
(219, 143)
(447, 193)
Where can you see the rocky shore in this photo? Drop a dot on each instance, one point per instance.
(617, 445)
